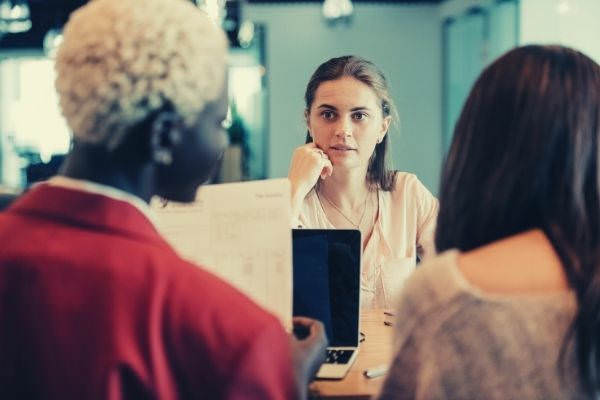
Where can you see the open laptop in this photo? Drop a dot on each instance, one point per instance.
(326, 270)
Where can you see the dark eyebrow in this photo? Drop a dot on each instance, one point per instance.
(360, 108)
(327, 106)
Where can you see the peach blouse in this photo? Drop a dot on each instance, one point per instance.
(404, 228)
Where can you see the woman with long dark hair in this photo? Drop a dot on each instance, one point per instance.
(340, 177)
(511, 308)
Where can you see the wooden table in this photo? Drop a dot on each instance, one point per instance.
(376, 350)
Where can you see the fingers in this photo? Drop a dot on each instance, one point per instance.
(308, 164)
(326, 165)
(309, 153)
(308, 352)
(304, 321)
(302, 328)
(312, 149)
(327, 169)
(316, 149)
(320, 153)
(315, 328)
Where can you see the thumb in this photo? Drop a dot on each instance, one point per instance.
(327, 169)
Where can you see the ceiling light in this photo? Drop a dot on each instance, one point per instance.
(337, 10)
(14, 16)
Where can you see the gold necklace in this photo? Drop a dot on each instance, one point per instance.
(362, 216)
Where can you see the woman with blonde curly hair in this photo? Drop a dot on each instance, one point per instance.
(93, 302)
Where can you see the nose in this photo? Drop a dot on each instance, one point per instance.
(344, 128)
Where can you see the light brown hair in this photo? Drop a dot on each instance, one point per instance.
(378, 172)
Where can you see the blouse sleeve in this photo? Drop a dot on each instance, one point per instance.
(427, 207)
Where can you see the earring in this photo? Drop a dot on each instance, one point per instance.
(163, 157)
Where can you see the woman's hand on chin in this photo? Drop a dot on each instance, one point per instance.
(309, 163)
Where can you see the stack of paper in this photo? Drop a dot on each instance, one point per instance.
(240, 232)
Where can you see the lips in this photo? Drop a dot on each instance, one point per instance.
(341, 147)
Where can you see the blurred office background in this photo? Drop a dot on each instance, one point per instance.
(430, 51)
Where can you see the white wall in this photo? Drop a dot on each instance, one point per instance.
(574, 23)
(404, 41)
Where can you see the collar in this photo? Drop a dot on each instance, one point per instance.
(103, 190)
(86, 210)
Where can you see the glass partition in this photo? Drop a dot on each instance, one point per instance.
(471, 41)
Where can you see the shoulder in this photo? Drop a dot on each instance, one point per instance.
(436, 282)
(456, 338)
(435, 297)
(413, 195)
(438, 294)
(404, 179)
(407, 184)
(200, 314)
(189, 291)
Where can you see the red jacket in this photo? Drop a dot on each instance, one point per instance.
(94, 304)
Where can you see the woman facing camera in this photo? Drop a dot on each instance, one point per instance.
(340, 178)
(510, 310)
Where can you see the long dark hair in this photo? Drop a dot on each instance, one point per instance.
(378, 172)
(525, 155)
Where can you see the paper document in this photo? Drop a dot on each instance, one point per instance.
(241, 233)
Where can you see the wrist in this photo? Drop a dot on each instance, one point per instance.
(297, 197)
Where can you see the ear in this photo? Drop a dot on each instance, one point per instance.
(165, 135)
(385, 125)
(307, 120)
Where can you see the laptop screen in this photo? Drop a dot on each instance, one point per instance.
(326, 264)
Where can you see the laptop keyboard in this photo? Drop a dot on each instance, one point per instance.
(338, 356)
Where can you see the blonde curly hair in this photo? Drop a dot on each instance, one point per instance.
(121, 60)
